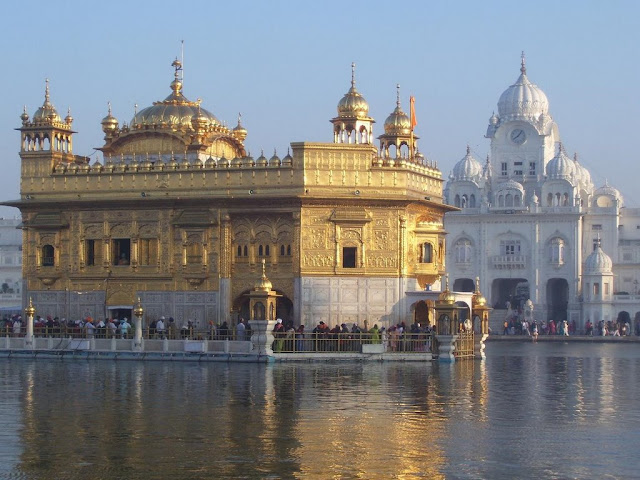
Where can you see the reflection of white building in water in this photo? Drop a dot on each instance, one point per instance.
(532, 223)
(10, 265)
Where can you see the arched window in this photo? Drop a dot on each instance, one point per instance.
(463, 251)
(464, 201)
(282, 250)
(550, 200)
(48, 256)
(456, 202)
(267, 251)
(246, 251)
(289, 250)
(239, 250)
(508, 200)
(260, 251)
(427, 253)
(556, 251)
(472, 201)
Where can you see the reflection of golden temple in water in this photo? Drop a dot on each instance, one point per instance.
(132, 418)
(178, 214)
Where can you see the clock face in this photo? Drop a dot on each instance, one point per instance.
(518, 136)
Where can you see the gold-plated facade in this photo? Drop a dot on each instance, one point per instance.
(178, 215)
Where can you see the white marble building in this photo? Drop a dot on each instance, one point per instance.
(533, 225)
(10, 266)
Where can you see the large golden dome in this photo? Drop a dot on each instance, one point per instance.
(175, 110)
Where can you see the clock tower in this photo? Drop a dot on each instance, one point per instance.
(523, 136)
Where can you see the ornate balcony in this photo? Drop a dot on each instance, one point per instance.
(509, 261)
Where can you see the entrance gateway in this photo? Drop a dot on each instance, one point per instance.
(118, 312)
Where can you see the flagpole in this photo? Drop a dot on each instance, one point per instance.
(412, 113)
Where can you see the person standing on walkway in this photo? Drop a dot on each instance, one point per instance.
(124, 327)
(160, 328)
(240, 328)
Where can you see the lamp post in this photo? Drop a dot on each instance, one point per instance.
(29, 312)
(138, 311)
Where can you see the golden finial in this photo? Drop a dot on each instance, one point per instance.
(398, 95)
(468, 149)
(523, 67)
(46, 91)
(109, 108)
(177, 64)
(135, 109)
(353, 74)
(138, 311)
(30, 310)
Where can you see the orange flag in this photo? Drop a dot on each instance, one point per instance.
(412, 102)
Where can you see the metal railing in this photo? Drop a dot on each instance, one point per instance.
(464, 347)
(71, 331)
(350, 342)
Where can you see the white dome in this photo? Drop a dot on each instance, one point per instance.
(468, 168)
(510, 185)
(607, 189)
(583, 175)
(561, 166)
(598, 262)
(522, 100)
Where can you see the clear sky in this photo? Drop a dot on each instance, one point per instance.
(286, 64)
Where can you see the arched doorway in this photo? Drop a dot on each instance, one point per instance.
(557, 299)
(421, 313)
(512, 290)
(284, 308)
(464, 285)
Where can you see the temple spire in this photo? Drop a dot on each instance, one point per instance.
(523, 67)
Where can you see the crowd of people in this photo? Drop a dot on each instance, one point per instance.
(519, 326)
(288, 338)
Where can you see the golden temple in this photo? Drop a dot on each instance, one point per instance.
(178, 214)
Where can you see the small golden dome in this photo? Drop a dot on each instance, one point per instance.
(275, 159)
(47, 112)
(172, 164)
(239, 131)
(447, 297)
(96, 167)
(25, 116)
(199, 121)
(109, 123)
(262, 160)
(287, 161)
(263, 284)
(398, 122)
(352, 104)
(185, 163)
(68, 119)
(478, 299)
(146, 164)
(210, 163)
